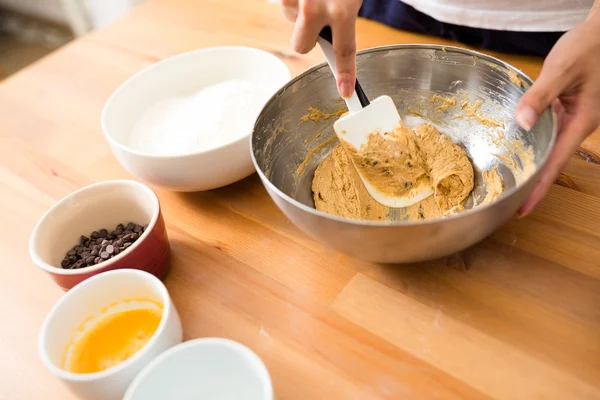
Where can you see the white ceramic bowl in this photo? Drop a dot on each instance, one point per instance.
(186, 74)
(211, 368)
(88, 299)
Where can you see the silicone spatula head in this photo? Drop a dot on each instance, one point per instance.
(366, 118)
(378, 118)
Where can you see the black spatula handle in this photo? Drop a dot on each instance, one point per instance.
(362, 97)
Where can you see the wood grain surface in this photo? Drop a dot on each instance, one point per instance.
(515, 317)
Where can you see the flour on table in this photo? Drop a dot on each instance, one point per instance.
(214, 116)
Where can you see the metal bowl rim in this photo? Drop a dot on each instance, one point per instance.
(363, 222)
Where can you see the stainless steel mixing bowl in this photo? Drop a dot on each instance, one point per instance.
(411, 74)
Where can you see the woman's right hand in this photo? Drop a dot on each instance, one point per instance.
(310, 16)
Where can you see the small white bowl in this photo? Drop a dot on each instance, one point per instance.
(186, 74)
(210, 368)
(88, 299)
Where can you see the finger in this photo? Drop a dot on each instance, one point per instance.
(551, 83)
(289, 3)
(290, 9)
(308, 25)
(575, 130)
(559, 110)
(344, 47)
(291, 14)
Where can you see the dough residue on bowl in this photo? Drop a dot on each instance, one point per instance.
(494, 184)
(514, 78)
(316, 115)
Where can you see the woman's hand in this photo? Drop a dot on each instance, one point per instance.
(570, 82)
(310, 16)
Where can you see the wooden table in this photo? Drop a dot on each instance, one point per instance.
(515, 317)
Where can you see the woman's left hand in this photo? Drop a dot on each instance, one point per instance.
(569, 82)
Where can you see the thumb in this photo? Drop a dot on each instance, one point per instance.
(540, 96)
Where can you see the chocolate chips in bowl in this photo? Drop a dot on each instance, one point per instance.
(102, 245)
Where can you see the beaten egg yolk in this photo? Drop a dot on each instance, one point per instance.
(113, 340)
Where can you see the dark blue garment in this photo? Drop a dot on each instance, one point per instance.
(399, 15)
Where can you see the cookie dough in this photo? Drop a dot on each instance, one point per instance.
(337, 189)
(494, 185)
(393, 167)
(418, 155)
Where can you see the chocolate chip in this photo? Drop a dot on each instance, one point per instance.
(101, 245)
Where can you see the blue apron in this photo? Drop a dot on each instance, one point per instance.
(399, 15)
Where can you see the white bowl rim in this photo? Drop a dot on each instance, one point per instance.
(246, 49)
(81, 287)
(85, 270)
(209, 341)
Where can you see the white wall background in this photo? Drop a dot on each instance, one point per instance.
(96, 13)
(48, 9)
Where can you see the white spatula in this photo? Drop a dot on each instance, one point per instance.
(365, 118)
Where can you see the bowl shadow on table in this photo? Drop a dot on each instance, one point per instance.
(246, 200)
(250, 199)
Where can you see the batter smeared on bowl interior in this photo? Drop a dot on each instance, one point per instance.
(417, 156)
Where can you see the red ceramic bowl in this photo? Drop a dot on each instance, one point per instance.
(101, 205)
